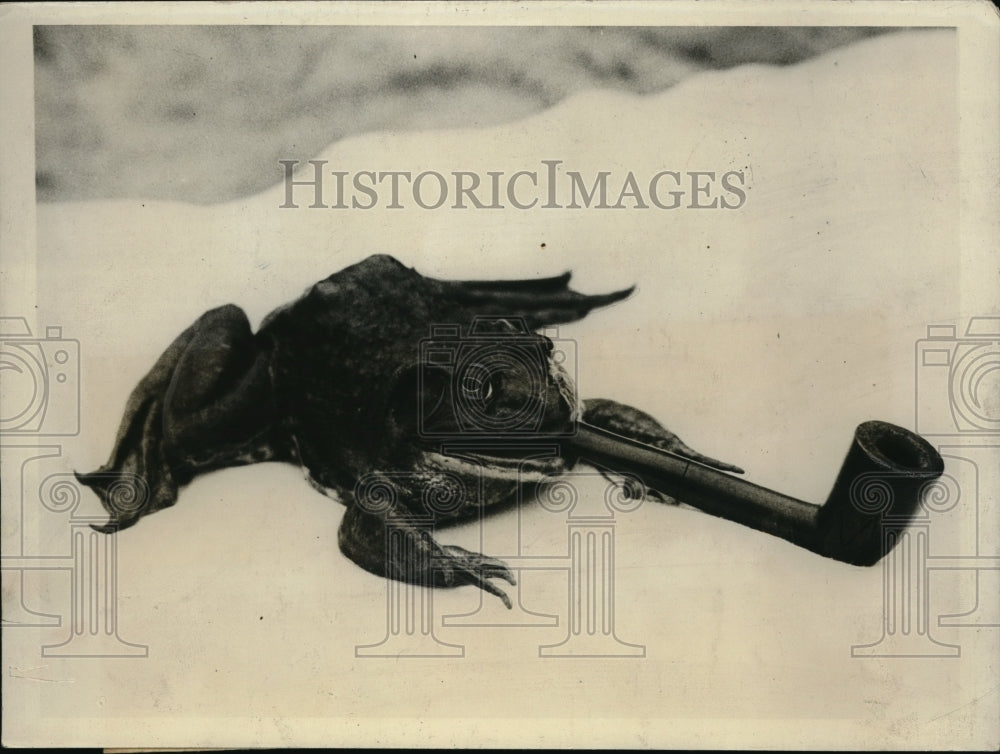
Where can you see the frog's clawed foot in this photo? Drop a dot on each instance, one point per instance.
(456, 566)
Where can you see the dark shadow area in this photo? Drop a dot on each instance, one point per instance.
(203, 113)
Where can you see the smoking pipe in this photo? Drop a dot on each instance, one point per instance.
(877, 491)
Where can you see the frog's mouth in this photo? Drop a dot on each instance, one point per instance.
(520, 463)
(529, 454)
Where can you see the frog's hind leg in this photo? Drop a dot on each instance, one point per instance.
(205, 404)
(397, 548)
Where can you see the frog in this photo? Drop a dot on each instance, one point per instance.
(347, 383)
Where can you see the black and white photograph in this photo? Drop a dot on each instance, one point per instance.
(530, 374)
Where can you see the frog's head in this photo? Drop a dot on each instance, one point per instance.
(492, 394)
(380, 368)
(496, 380)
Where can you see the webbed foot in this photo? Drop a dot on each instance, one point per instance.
(396, 548)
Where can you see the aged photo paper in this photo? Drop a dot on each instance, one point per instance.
(796, 203)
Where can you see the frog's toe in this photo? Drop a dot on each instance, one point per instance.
(632, 488)
(463, 567)
(492, 588)
(659, 497)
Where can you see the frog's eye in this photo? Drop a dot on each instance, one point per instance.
(480, 386)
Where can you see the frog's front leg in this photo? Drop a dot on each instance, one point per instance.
(392, 546)
(637, 425)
